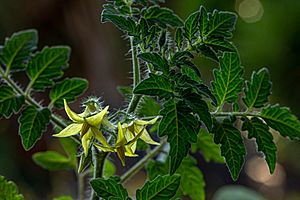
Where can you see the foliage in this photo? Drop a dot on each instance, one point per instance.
(170, 95)
(9, 190)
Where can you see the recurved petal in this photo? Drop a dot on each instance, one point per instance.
(86, 140)
(70, 130)
(105, 149)
(72, 115)
(145, 135)
(144, 122)
(130, 136)
(121, 154)
(121, 140)
(129, 152)
(100, 137)
(96, 120)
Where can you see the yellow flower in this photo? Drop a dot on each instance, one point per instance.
(122, 146)
(88, 127)
(128, 134)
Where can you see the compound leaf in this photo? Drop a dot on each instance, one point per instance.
(121, 22)
(282, 120)
(53, 161)
(228, 79)
(219, 44)
(46, 66)
(258, 90)
(159, 63)
(232, 146)
(109, 188)
(10, 102)
(206, 146)
(9, 190)
(162, 16)
(33, 122)
(190, 26)
(161, 188)
(18, 48)
(155, 85)
(181, 127)
(264, 140)
(67, 89)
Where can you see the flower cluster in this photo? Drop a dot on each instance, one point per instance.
(88, 125)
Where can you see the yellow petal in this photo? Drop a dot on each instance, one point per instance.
(70, 130)
(86, 140)
(72, 115)
(96, 120)
(105, 149)
(145, 135)
(100, 137)
(121, 154)
(130, 136)
(129, 152)
(144, 122)
(121, 140)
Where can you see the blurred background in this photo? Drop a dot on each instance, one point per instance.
(267, 34)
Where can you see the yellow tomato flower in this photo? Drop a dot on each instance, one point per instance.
(122, 146)
(87, 126)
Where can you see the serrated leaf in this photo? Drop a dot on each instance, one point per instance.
(219, 44)
(192, 183)
(46, 66)
(207, 51)
(125, 91)
(203, 21)
(282, 120)
(191, 74)
(162, 187)
(155, 85)
(228, 79)
(123, 23)
(179, 37)
(206, 146)
(221, 24)
(162, 16)
(147, 107)
(258, 90)
(109, 188)
(33, 122)
(181, 127)
(67, 89)
(190, 26)
(199, 107)
(264, 140)
(232, 146)
(17, 49)
(51, 160)
(159, 63)
(9, 190)
(10, 102)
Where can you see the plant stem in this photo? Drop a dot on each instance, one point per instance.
(241, 114)
(80, 182)
(141, 163)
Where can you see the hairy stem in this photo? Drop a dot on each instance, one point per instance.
(141, 163)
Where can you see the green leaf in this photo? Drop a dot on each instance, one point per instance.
(67, 89)
(63, 198)
(228, 79)
(192, 183)
(156, 168)
(125, 91)
(190, 26)
(232, 146)
(191, 74)
(33, 122)
(109, 188)
(109, 169)
(159, 63)
(203, 21)
(207, 51)
(51, 160)
(10, 102)
(162, 187)
(123, 23)
(179, 37)
(220, 44)
(147, 107)
(206, 145)
(258, 90)
(181, 127)
(155, 85)
(46, 66)
(221, 24)
(162, 16)
(199, 107)
(282, 120)
(18, 48)
(9, 190)
(70, 146)
(264, 140)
